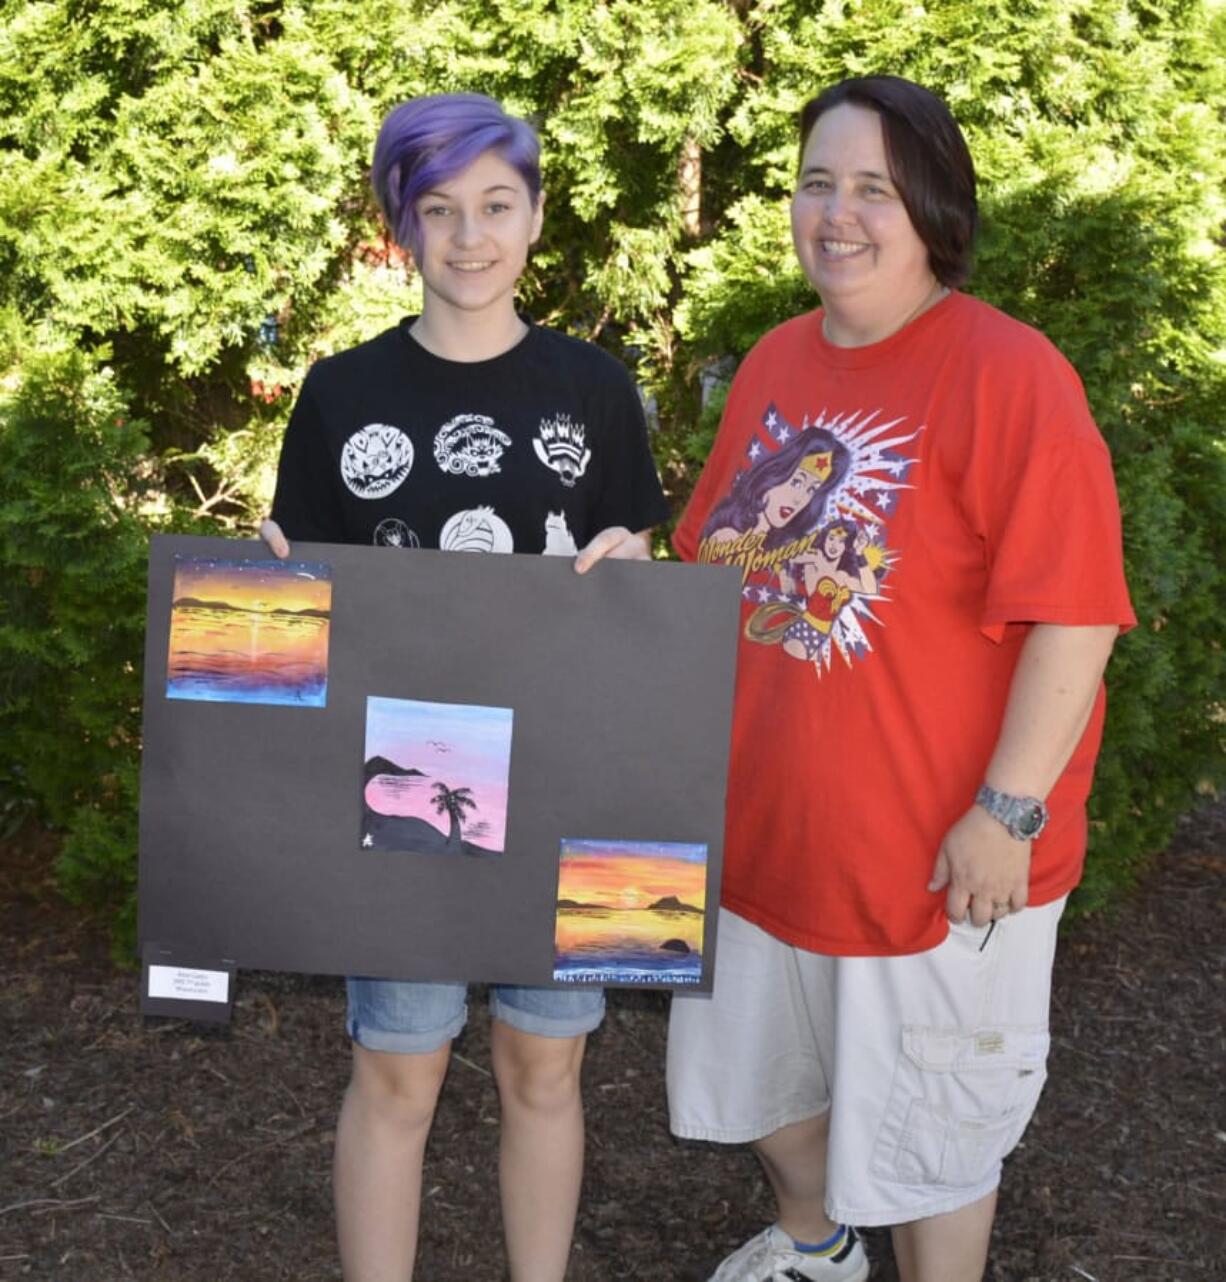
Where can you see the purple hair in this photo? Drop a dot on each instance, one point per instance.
(427, 141)
(743, 506)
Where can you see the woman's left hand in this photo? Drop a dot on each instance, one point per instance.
(617, 543)
(986, 871)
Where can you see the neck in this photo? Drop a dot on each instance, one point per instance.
(844, 328)
(467, 336)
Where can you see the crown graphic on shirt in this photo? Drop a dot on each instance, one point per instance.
(562, 435)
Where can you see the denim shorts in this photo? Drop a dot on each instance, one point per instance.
(409, 1017)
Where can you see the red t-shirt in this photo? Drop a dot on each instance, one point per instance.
(901, 511)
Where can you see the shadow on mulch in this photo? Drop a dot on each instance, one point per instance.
(166, 1152)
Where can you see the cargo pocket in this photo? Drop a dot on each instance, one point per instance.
(959, 1103)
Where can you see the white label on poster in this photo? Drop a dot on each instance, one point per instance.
(189, 985)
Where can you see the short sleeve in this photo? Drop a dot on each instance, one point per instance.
(306, 504)
(630, 492)
(1054, 543)
(719, 469)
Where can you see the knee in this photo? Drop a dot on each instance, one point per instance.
(398, 1090)
(537, 1074)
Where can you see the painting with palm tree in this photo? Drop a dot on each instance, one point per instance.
(435, 777)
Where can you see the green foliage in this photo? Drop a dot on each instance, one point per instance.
(184, 227)
(1132, 288)
(73, 473)
(744, 282)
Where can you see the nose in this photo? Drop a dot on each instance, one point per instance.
(838, 206)
(467, 229)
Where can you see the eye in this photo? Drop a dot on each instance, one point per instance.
(435, 211)
(816, 185)
(498, 207)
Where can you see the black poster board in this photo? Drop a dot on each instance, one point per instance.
(258, 846)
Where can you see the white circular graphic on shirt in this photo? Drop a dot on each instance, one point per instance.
(470, 444)
(479, 529)
(393, 533)
(375, 460)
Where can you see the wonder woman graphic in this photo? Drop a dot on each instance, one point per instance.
(777, 501)
(823, 581)
(805, 522)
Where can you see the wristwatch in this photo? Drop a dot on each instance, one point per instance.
(1023, 817)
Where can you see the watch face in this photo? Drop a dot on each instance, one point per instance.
(1030, 821)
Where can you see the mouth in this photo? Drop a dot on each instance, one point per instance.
(785, 512)
(471, 265)
(842, 248)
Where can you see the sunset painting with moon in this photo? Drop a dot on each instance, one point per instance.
(630, 912)
(250, 631)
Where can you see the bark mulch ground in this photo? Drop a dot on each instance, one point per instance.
(167, 1152)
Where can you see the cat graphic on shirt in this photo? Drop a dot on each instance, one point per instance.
(558, 539)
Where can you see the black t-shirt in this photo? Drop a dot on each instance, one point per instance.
(535, 450)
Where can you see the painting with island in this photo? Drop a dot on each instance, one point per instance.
(630, 912)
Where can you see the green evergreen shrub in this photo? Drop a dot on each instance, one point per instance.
(73, 552)
(184, 226)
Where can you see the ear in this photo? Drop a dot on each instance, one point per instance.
(538, 217)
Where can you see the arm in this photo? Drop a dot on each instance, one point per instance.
(306, 504)
(629, 500)
(868, 579)
(1050, 701)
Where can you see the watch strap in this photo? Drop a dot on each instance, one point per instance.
(1022, 817)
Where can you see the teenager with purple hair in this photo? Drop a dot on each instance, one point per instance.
(465, 428)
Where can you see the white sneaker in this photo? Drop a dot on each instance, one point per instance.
(772, 1257)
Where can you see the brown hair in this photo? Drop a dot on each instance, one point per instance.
(929, 161)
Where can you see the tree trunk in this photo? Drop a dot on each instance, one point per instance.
(689, 182)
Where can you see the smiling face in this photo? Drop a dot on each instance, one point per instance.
(781, 502)
(475, 232)
(852, 234)
(835, 544)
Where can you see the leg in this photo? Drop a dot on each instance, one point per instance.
(401, 1034)
(751, 1063)
(541, 1154)
(794, 1158)
(380, 1142)
(946, 1248)
(935, 1089)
